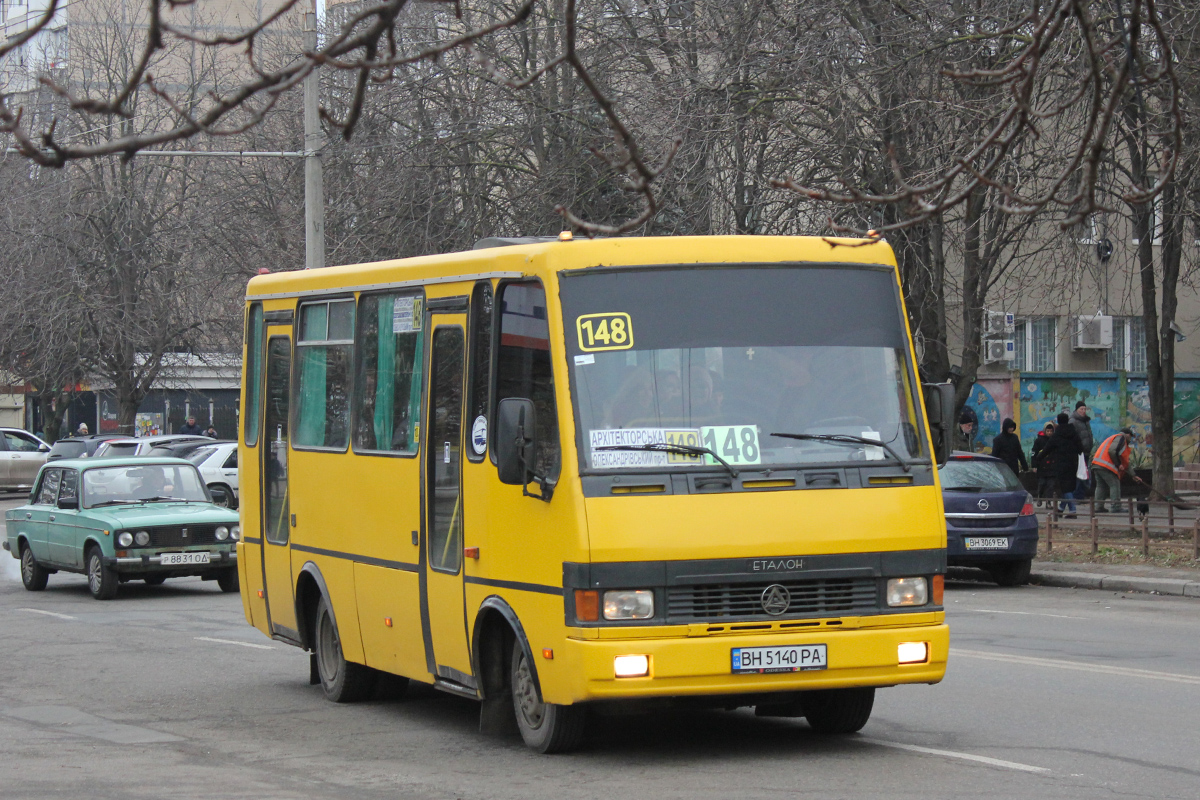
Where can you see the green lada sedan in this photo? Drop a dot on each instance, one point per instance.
(122, 519)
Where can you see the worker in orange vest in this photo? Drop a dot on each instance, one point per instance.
(1109, 465)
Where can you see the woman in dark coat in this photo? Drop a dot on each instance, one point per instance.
(1007, 448)
(1037, 460)
(1062, 460)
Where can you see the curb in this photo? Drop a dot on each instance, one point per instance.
(1117, 583)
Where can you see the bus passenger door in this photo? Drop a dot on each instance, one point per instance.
(442, 601)
(276, 522)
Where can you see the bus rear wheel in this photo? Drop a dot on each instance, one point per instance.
(545, 727)
(838, 710)
(342, 681)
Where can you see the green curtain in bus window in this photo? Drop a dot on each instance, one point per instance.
(310, 427)
(408, 384)
(253, 372)
(385, 394)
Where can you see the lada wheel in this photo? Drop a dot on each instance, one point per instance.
(102, 580)
(545, 727)
(155, 580)
(342, 681)
(228, 579)
(838, 710)
(32, 574)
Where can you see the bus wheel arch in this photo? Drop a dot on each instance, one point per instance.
(310, 590)
(497, 631)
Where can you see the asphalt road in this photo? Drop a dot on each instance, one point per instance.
(166, 692)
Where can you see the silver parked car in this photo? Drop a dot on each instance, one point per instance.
(21, 456)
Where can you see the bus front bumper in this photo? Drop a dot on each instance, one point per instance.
(687, 666)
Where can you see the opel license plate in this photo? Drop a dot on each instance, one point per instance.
(986, 542)
(786, 658)
(181, 559)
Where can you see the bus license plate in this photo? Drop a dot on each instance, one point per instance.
(986, 542)
(178, 559)
(788, 658)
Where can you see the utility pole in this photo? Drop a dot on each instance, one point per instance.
(314, 182)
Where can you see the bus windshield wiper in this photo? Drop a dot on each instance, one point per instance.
(845, 438)
(667, 447)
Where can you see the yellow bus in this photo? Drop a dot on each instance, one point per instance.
(552, 474)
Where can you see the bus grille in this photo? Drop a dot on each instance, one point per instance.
(172, 535)
(743, 601)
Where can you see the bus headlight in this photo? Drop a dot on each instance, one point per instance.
(222, 533)
(907, 592)
(125, 538)
(629, 604)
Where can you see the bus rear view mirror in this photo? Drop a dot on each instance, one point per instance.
(516, 445)
(939, 408)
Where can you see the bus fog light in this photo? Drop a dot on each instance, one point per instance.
(631, 666)
(912, 652)
(907, 592)
(125, 539)
(625, 604)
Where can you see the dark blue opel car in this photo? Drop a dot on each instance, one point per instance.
(990, 523)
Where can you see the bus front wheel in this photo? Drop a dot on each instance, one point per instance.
(342, 681)
(545, 727)
(838, 710)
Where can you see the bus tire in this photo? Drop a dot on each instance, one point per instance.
(838, 710)
(1011, 573)
(545, 727)
(227, 579)
(33, 575)
(342, 681)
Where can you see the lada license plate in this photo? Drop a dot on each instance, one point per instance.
(786, 658)
(180, 559)
(986, 542)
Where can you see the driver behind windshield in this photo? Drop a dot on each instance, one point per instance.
(152, 483)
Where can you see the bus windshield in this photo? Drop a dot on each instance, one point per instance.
(748, 366)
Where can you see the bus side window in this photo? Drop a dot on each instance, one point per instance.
(523, 365)
(323, 389)
(479, 379)
(388, 374)
(254, 348)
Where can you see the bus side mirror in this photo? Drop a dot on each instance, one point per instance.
(515, 445)
(939, 410)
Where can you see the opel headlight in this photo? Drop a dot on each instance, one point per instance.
(629, 604)
(222, 533)
(125, 539)
(142, 538)
(907, 592)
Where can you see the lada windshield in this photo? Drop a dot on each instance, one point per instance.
(762, 366)
(142, 484)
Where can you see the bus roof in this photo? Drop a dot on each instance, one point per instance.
(541, 257)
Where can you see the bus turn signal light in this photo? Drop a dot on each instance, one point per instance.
(939, 588)
(587, 605)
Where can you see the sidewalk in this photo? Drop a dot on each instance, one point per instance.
(1117, 577)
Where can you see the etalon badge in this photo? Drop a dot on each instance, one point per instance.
(776, 599)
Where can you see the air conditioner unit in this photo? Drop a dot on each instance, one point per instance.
(998, 323)
(997, 350)
(1092, 333)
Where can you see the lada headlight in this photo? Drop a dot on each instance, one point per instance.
(222, 533)
(125, 539)
(629, 604)
(235, 533)
(142, 538)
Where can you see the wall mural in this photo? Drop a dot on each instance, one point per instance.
(1113, 402)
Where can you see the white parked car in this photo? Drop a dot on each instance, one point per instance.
(218, 466)
(21, 456)
(119, 448)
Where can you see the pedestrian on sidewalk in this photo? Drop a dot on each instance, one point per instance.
(1007, 447)
(191, 427)
(968, 426)
(1109, 465)
(1082, 424)
(1037, 460)
(1062, 457)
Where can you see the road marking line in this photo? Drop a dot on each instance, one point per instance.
(929, 751)
(47, 613)
(1023, 613)
(1126, 672)
(231, 641)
